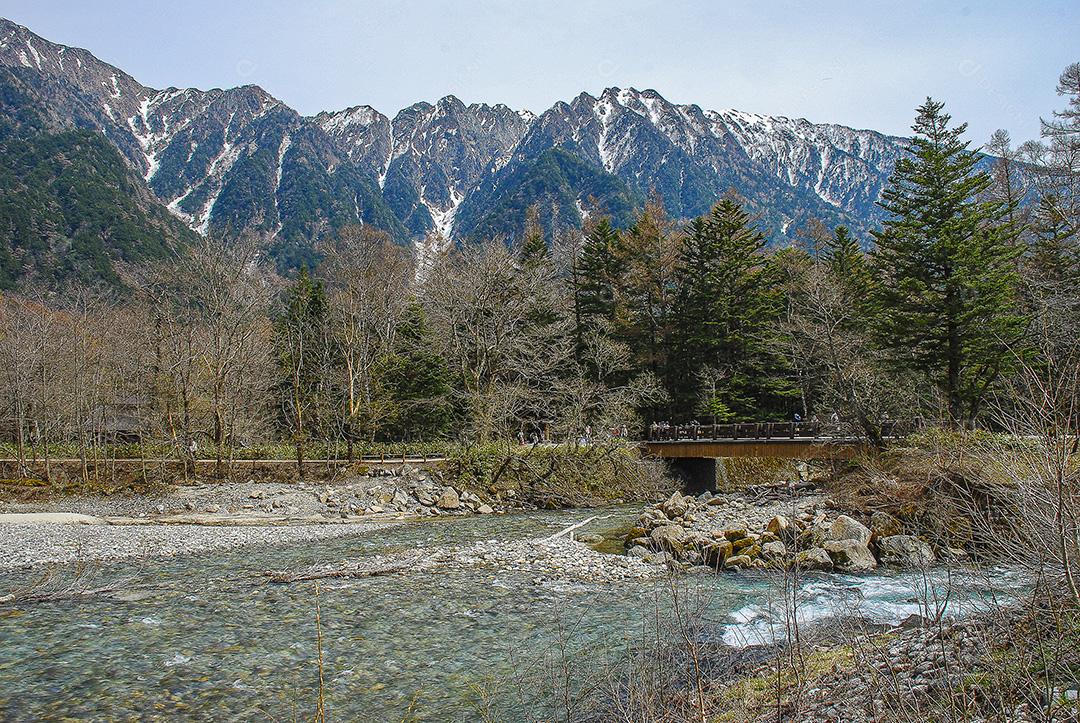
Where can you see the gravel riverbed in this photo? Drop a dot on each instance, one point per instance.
(30, 545)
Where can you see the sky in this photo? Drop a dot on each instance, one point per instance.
(864, 64)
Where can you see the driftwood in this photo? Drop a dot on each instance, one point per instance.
(575, 526)
(81, 582)
(378, 565)
(571, 528)
(374, 567)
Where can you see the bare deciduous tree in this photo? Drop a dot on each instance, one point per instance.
(368, 278)
(502, 329)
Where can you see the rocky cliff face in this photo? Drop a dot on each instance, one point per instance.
(430, 157)
(239, 160)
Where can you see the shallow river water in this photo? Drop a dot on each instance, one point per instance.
(214, 640)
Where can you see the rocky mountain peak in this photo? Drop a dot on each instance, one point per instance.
(241, 159)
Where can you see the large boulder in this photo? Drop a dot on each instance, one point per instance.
(814, 559)
(737, 531)
(676, 506)
(814, 535)
(669, 538)
(882, 524)
(738, 562)
(845, 528)
(658, 558)
(774, 550)
(448, 500)
(744, 542)
(652, 518)
(904, 551)
(778, 526)
(714, 552)
(850, 555)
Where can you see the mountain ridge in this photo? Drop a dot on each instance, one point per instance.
(239, 160)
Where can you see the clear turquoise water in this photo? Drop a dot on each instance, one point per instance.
(216, 641)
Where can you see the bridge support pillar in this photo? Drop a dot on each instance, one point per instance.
(697, 474)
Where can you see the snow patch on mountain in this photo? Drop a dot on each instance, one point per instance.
(174, 206)
(444, 217)
(362, 115)
(286, 141)
(427, 250)
(603, 110)
(35, 53)
(582, 211)
(145, 137)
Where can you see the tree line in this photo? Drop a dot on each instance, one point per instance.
(971, 280)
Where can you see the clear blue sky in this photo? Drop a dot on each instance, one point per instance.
(865, 64)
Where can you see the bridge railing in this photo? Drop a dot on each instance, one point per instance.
(890, 429)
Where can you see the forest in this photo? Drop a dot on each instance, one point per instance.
(963, 299)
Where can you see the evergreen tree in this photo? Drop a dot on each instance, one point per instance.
(534, 246)
(845, 257)
(650, 251)
(304, 351)
(945, 302)
(418, 381)
(728, 298)
(1054, 256)
(848, 266)
(597, 276)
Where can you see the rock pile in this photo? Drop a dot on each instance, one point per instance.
(407, 491)
(703, 531)
(916, 666)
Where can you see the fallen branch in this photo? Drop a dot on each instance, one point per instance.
(573, 527)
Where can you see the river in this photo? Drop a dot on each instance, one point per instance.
(207, 637)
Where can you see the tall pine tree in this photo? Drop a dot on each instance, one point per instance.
(945, 301)
(418, 381)
(728, 299)
(846, 259)
(597, 277)
(534, 248)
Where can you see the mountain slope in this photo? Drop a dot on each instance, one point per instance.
(70, 207)
(430, 157)
(788, 171)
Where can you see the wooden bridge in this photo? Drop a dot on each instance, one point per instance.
(694, 448)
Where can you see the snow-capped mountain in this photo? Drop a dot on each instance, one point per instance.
(240, 160)
(430, 157)
(789, 170)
